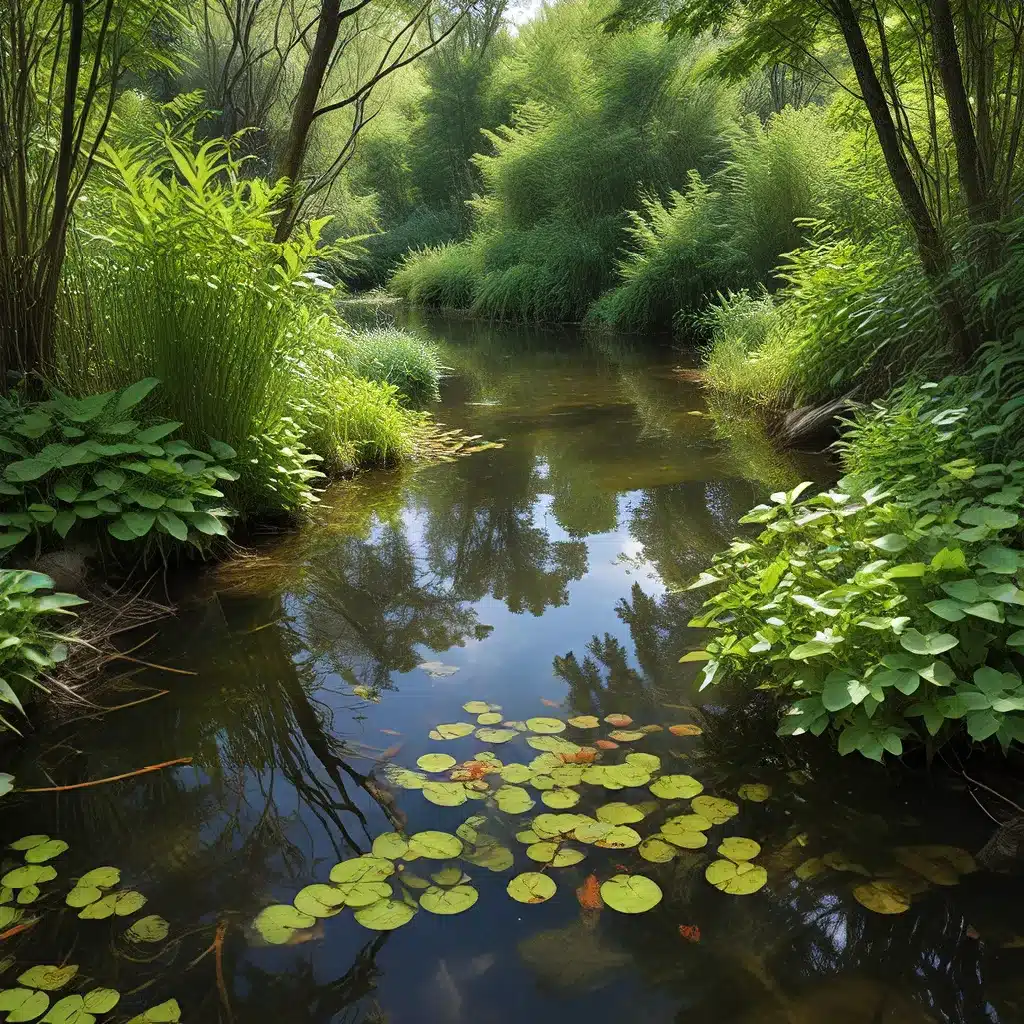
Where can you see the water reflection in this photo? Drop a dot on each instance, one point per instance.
(546, 570)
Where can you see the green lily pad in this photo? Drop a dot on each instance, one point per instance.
(619, 814)
(436, 845)
(561, 798)
(756, 792)
(550, 852)
(6, 895)
(448, 901)
(446, 876)
(362, 869)
(631, 894)
(82, 895)
(436, 762)
(476, 707)
(468, 831)
(516, 725)
(545, 726)
(515, 773)
(319, 900)
(277, 923)
(414, 881)
(585, 722)
(9, 916)
(492, 856)
(101, 1000)
(451, 731)
(545, 763)
(28, 842)
(684, 838)
(626, 735)
(385, 915)
(47, 977)
(513, 800)
(715, 809)
(688, 823)
(445, 794)
(69, 1010)
(649, 763)
(405, 778)
(101, 878)
(624, 776)
(621, 837)
(553, 744)
(568, 775)
(676, 787)
(736, 848)
(489, 718)
(736, 879)
(548, 826)
(810, 868)
(23, 1004)
(531, 887)
(389, 846)
(45, 851)
(528, 836)
(657, 850)
(28, 894)
(152, 928)
(29, 874)
(163, 1013)
(542, 782)
(593, 831)
(882, 897)
(491, 735)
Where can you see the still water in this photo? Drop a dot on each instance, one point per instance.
(544, 577)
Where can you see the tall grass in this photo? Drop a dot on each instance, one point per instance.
(442, 276)
(389, 355)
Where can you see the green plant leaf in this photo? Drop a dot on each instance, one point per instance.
(151, 928)
(47, 977)
(155, 433)
(932, 643)
(631, 894)
(276, 924)
(531, 887)
(135, 393)
(43, 852)
(101, 1000)
(163, 1013)
(448, 901)
(951, 611)
(385, 915)
(102, 878)
(23, 1004)
(841, 692)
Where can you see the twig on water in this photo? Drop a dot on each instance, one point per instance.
(112, 778)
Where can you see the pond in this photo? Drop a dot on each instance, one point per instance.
(537, 582)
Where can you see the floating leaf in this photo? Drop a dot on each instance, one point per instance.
(838, 861)
(554, 744)
(28, 842)
(882, 897)
(687, 840)
(649, 763)
(657, 850)
(390, 846)
(489, 718)
(435, 845)
(450, 875)
(810, 868)
(515, 773)
(30, 874)
(69, 1010)
(584, 722)
(737, 848)
(436, 762)
(686, 729)
(756, 792)
(941, 865)
(545, 763)
(531, 887)
(445, 794)
(528, 836)
(561, 798)
(29, 894)
(631, 894)
(618, 721)
(102, 878)
(9, 916)
(319, 900)
(688, 823)
(492, 856)
(715, 809)
(676, 787)
(627, 735)
(489, 735)
(451, 731)
(549, 825)
(128, 902)
(513, 799)
(163, 1013)
(545, 726)
(448, 901)
(568, 775)
(592, 831)
(406, 778)
(542, 782)
(365, 869)
(152, 928)
(45, 851)
(606, 744)
(516, 725)
(551, 852)
(101, 1000)
(48, 978)
(82, 895)
(23, 1004)
(414, 881)
(736, 879)
(619, 814)
(621, 837)
(476, 707)
(385, 915)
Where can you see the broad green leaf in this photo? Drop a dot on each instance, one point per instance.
(135, 393)
(152, 928)
(657, 850)
(987, 610)
(531, 887)
(385, 915)
(737, 848)
(451, 731)
(740, 879)
(676, 787)
(841, 692)
(30, 874)
(882, 897)
(585, 722)
(101, 1000)
(45, 851)
(951, 611)
(436, 762)
(489, 735)
(619, 814)
(932, 643)
(716, 809)
(436, 845)
(513, 799)
(29, 842)
(48, 978)
(545, 726)
(102, 878)
(163, 1013)
(23, 1004)
(448, 901)
(276, 924)
(811, 649)
(390, 846)
(82, 895)
(890, 543)
(631, 894)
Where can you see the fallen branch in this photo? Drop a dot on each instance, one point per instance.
(112, 778)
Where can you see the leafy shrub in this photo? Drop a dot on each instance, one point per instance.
(76, 460)
(28, 647)
(886, 613)
(442, 276)
(423, 228)
(401, 358)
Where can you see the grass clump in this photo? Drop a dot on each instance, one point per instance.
(390, 355)
(440, 276)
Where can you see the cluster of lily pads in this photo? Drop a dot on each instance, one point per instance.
(95, 897)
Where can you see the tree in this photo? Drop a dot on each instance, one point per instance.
(61, 63)
(932, 77)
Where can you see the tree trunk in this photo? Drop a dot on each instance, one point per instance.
(293, 154)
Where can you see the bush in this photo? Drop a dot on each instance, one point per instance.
(423, 228)
(441, 276)
(72, 461)
(393, 356)
(28, 647)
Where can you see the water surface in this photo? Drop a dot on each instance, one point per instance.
(544, 577)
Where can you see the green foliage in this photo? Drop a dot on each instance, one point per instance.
(72, 461)
(423, 228)
(887, 609)
(28, 646)
(443, 276)
(390, 355)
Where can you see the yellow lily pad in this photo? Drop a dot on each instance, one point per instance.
(619, 814)
(736, 879)
(476, 707)
(545, 726)
(585, 721)
(435, 845)
(882, 897)
(513, 800)
(568, 775)
(736, 848)
(445, 794)
(490, 735)
(385, 915)
(561, 798)
(689, 823)
(621, 837)
(531, 887)
(676, 787)
(756, 792)
(657, 850)
(684, 839)
(631, 894)
(626, 735)
(451, 731)
(554, 853)
(489, 718)
(515, 773)
(649, 763)
(717, 810)
(448, 901)
(278, 923)
(390, 845)
(436, 762)
(319, 900)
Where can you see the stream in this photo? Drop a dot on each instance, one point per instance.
(546, 578)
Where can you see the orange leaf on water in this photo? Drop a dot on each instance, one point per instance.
(589, 893)
(606, 744)
(687, 729)
(585, 755)
(690, 932)
(619, 721)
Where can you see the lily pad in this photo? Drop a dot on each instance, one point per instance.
(436, 762)
(102, 878)
(645, 762)
(516, 725)
(736, 879)
(542, 782)
(619, 814)
(152, 928)
(468, 831)
(618, 721)
(531, 887)
(452, 874)
(515, 773)
(676, 787)
(436, 845)
(489, 735)
(23, 1004)
(489, 718)
(756, 792)
(810, 868)
(568, 775)
(621, 837)
(736, 848)
(319, 900)
(545, 763)
(445, 794)
(593, 831)
(626, 735)
(685, 729)
(9, 916)
(82, 895)
(29, 874)
(492, 856)
(45, 851)
(528, 836)
(390, 846)
(882, 897)
(553, 853)
(839, 861)
(406, 778)
(276, 924)
(631, 894)
(683, 838)
(546, 726)
(940, 865)
(28, 894)
(688, 823)
(101, 1000)
(163, 1013)
(717, 810)
(624, 776)
(657, 850)
(476, 707)
(513, 800)
(29, 842)
(451, 731)
(585, 722)
(385, 915)
(47, 977)
(448, 901)
(561, 798)
(554, 744)
(360, 871)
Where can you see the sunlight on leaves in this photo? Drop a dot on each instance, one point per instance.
(676, 787)
(531, 887)
(152, 928)
(631, 894)
(715, 809)
(882, 897)
(435, 845)
(754, 791)
(385, 915)
(736, 879)
(436, 762)
(48, 978)
(585, 722)
(737, 848)
(448, 901)
(545, 726)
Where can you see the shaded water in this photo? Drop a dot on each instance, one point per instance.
(542, 577)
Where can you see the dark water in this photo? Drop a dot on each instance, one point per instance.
(544, 573)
